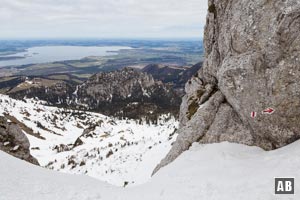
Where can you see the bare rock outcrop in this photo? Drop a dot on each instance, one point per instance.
(252, 60)
(14, 141)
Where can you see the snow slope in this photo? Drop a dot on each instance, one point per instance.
(112, 150)
(210, 172)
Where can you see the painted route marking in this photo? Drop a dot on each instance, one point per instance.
(268, 111)
(253, 114)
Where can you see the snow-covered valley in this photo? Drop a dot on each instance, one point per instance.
(120, 152)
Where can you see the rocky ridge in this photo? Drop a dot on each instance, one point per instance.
(125, 93)
(252, 64)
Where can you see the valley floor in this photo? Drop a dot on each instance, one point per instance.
(210, 172)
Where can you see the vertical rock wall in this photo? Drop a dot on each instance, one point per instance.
(252, 64)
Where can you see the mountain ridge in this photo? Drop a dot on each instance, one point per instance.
(125, 93)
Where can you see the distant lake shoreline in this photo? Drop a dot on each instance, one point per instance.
(48, 54)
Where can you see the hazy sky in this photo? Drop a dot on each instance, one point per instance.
(102, 18)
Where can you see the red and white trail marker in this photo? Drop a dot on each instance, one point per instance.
(268, 111)
(253, 114)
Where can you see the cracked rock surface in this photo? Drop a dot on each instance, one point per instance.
(252, 63)
(13, 141)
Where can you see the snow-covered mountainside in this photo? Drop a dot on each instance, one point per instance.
(121, 152)
(211, 172)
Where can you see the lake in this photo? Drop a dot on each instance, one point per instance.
(46, 54)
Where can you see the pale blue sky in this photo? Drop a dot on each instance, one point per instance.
(102, 18)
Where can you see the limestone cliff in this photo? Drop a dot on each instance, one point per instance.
(252, 64)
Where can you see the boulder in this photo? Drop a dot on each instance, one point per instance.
(13, 141)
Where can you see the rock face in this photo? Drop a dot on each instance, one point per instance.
(252, 63)
(14, 141)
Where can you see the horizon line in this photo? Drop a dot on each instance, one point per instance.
(113, 38)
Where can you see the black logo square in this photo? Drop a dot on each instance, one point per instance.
(284, 186)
